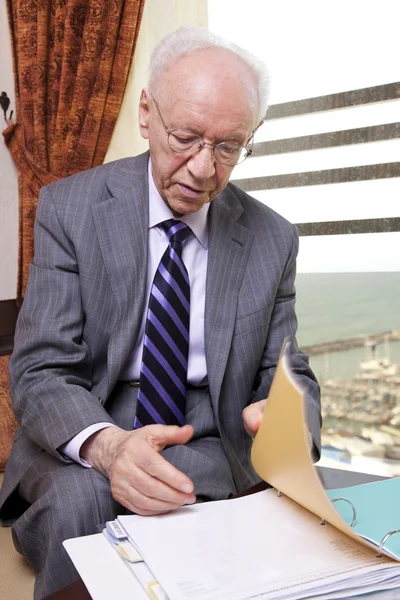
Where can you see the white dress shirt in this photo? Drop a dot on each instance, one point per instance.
(194, 255)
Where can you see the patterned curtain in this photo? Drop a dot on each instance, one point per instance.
(8, 423)
(71, 64)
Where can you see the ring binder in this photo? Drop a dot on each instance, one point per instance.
(353, 522)
(384, 540)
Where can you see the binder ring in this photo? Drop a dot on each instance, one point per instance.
(353, 522)
(384, 540)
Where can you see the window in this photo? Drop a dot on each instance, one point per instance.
(328, 159)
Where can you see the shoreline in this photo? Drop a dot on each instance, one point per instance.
(372, 339)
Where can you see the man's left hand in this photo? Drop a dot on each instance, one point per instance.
(252, 416)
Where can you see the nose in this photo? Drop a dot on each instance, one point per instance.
(202, 164)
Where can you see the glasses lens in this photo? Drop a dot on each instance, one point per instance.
(184, 142)
(230, 154)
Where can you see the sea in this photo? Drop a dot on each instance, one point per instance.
(336, 306)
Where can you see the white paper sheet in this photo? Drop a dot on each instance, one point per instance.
(261, 545)
(103, 572)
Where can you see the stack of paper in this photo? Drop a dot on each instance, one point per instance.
(258, 546)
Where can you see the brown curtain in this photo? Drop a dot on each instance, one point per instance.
(71, 64)
(8, 423)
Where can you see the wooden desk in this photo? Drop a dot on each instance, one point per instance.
(331, 478)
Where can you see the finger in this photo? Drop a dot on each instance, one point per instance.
(139, 503)
(251, 419)
(252, 416)
(154, 488)
(159, 436)
(145, 505)
(135, 501)
(155, 465)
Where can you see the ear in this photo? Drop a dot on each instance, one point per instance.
(144, 113)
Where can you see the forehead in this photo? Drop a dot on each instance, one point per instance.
(210, 87)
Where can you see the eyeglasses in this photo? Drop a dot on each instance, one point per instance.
(184, 142)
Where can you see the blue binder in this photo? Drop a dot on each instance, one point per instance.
(376, 511)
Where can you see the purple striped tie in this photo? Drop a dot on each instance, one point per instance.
(163, 372)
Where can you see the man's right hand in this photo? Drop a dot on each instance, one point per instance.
(141, 479)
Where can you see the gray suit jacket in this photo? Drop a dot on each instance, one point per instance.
(86, 296)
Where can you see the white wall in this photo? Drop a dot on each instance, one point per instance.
(160, 17)
(8, 176)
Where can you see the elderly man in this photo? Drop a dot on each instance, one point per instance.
(158, 300)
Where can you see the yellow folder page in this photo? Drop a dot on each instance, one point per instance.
(280, 452)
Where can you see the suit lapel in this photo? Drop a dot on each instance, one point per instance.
(228, 253)
(122, 229)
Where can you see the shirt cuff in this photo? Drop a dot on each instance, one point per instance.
(72, 448)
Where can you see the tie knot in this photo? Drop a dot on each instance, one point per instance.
(177, 231)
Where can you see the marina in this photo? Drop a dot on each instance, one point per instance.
(361, 415)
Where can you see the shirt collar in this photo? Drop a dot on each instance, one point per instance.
(159, 211)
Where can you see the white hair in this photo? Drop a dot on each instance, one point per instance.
(190, 39)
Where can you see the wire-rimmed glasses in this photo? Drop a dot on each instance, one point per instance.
(185, 142)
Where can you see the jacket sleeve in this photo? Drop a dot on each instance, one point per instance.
(51, 366)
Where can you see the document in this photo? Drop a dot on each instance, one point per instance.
(257, 546)
(291, 542)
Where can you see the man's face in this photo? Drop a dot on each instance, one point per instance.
(208, 95)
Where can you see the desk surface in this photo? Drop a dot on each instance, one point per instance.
(331, 478)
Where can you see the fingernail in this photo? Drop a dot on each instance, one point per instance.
(187, 488)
